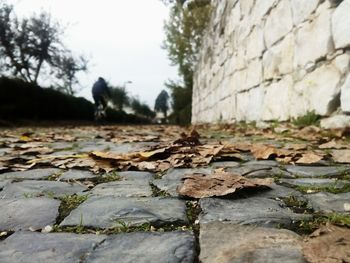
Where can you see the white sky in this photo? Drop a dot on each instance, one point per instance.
(122, 38)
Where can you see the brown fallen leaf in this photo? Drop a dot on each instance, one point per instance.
(310, 158)
(36, 150)
(329, 244)
(147, 155)
(219, 184)
(332, 145)
(209, 150)
(295, 146)
(341, 156)
(111, 155)
(265, 152)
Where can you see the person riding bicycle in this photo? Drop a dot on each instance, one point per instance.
(100, 93)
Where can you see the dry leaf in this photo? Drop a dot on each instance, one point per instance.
(332, 145)
(221, 184)
(147, 155)
(263, 152)
(111, 155)
(295, 146)
(341, 156)
(309, 158)
(329, 244)
(210, 150)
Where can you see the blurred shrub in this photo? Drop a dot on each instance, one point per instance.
(20, 100)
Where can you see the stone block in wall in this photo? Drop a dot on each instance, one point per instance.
(279, 23)
(224, 89)
(246, 7)
(341, 25)
(220, 8)
(345, 96)
(239, 79)
(249, 104)
(320, 89)
(279, 59)
(314, 39)
(234, 18)
(302, 9)
(255, 43)
(226, 109)
(261, 8)
(254, 74)
(240, 57)
(342, 63)
(276, 105)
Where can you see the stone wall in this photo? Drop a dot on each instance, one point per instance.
(273, 60)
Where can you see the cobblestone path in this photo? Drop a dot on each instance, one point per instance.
(55, 213)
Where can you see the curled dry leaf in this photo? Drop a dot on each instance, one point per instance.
(209, 150)
(295, 146)
(309, 158)
(265, 152)
(219, 184)
(329, 244)
(332, 145)
(341, 156)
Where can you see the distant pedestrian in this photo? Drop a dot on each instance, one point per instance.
(100, 93)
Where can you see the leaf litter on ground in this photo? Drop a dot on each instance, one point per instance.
(199, 185)
(329, 244)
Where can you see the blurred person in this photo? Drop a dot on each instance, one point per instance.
(100, 93)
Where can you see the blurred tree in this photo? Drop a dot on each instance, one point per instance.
(119, 97)
(142, 109)
(184, 30)
(67, 68)
(162, 103)
(29, 45)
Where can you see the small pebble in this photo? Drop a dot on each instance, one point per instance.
(47, 229)
(347, 207)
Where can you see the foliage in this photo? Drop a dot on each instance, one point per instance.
(21, 100)
(184, 30)
(181, 104)
(68, 204)
(162, 103)
(310, 118)
(119, 97)
(67, 68)
(309, 226)
(142, 109)
(31, 47)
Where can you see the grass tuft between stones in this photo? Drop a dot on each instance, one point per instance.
(297, 205)
(306, 227)
(55, 176)
(330, 189)
(68, 204)
(109, 177)
(310, 118)
(121, 227)
(156, 192)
